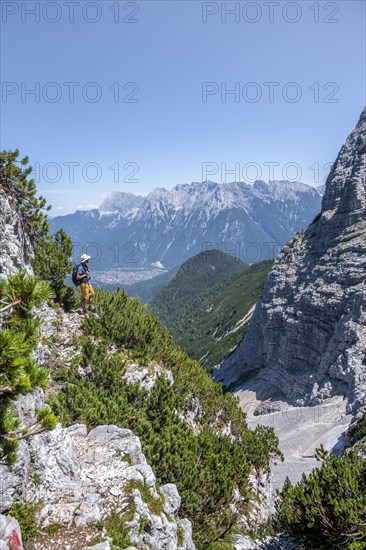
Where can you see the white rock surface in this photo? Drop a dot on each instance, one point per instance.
(58, 330)
(101, 546)
(280, 542)
(172, 498)
(15, 245)
(300, 431)
(145, 376)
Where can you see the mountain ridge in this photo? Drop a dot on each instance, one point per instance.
(248, 221)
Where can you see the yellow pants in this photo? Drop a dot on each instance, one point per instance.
(87, 292)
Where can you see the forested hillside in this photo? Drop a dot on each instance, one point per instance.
(208, 312)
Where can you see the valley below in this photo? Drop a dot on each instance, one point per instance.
(125, 277)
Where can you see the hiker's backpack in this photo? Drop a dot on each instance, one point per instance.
(74, 274)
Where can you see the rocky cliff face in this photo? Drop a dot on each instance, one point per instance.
(307, 338)
(80, 478)
(16, 247)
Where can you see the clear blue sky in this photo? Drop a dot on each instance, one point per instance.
(167, 135)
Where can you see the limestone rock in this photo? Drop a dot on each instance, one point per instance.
(186, 529)
(172, 498)
(146, 376)
(58, 330)
(280, 542)
(307, 338)
(16, 247)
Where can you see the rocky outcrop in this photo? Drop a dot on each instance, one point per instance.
(146, 376)
(307, 338)
(81, 478)
(59, 333)
(16, 247)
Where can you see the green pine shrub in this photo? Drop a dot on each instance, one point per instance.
(116, 528)
(19, 374)
(328, 506)
(22, 194)
(52, 263)
(25, 513)
(52, 252)
(357, 431)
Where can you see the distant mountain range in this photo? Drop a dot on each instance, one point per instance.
(165, 228)
(208, 304)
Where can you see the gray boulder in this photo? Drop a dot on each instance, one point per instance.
(172, 498)
(145, 376)
(280, 542)
(16, 247)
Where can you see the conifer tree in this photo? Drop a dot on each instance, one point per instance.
(13, 178)
(52, 252)
(329, 505)
(53, 263)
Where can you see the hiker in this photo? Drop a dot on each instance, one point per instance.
(83, 277)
